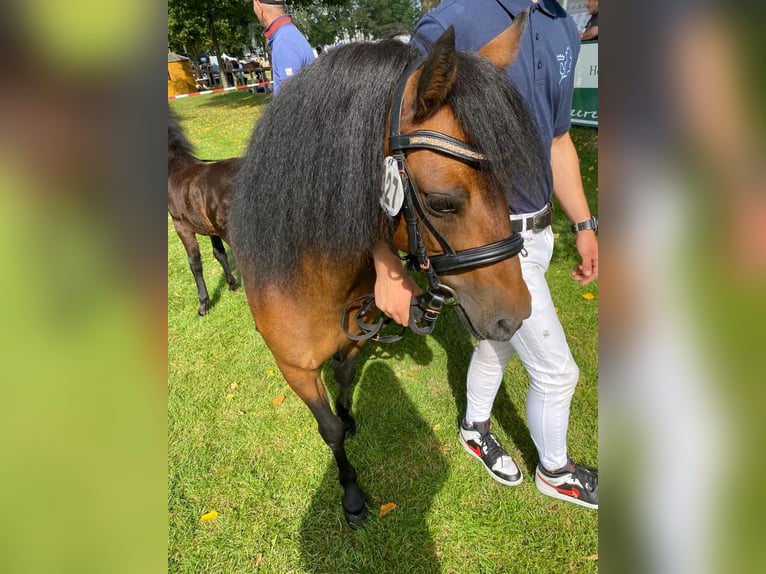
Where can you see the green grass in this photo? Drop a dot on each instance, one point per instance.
(273, 481)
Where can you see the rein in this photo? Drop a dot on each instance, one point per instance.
(425, 308)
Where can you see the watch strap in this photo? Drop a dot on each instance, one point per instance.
(591, 223)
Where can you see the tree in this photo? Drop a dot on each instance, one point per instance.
(226, 25)
(322, 24)
(208, 24)
(372, 15)
(325, 23)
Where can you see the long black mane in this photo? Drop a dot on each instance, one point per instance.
(314, 168)
(180, 149)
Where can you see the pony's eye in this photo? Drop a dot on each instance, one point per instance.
(441, 203)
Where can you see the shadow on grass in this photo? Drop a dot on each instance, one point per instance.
(398, 459)
(458, 344)
(222, 285)
(235, 100)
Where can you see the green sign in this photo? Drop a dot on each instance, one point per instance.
(585, 98)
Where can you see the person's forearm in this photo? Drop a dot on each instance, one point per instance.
(394, 289)
(385, 261)
(567, 183)
(589, 34)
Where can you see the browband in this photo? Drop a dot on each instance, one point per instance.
(435, 141)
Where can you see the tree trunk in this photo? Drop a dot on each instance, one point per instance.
(217, 49)
(193, 54)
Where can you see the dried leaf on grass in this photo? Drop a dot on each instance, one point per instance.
(259, 560)
(276, 401)
(207, 517)
(437, 427)
(386, 508)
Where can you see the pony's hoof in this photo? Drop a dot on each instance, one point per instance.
(201, 311)
(354, 505)
(356, 519)
(233, 286)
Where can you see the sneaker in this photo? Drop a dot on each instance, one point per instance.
(573, 483)
(482, 444)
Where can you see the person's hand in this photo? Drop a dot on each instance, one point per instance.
(394, 289)
(587, 247)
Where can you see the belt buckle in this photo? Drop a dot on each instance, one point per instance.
(539, 220)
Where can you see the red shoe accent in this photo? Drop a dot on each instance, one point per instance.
(573, 492)
(474, 449)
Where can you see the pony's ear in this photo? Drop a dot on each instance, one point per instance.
(502, 49)
(437, 76)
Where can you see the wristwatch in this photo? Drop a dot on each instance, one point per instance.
(591, 223)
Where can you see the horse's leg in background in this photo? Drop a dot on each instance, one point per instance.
(308, 385)
(195, 263)
(344, 368)
(220, 254)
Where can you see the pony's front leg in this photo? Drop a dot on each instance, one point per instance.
(308, 386)
(344, 368)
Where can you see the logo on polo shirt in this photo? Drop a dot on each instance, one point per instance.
(565, 61)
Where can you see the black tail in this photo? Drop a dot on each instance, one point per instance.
(180, 149)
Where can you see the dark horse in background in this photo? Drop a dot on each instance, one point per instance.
(199, 193)
(306, 213)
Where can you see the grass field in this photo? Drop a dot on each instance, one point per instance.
(273, 482)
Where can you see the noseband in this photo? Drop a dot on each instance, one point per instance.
(426, 307)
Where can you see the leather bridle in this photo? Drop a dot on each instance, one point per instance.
(425, 308)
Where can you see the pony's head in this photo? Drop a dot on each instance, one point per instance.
(466, 97)
(309, 191)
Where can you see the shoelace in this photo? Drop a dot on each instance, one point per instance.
(491, 447)
(587, 476)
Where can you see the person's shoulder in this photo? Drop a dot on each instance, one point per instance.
(444, 7)
(448, 9)
(475, 21)
(288, 34)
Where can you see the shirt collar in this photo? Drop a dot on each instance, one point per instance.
(276, 24)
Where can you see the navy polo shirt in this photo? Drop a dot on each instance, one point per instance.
(543, 71)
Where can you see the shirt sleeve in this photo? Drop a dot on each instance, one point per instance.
(427, 31)
(286, 63)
